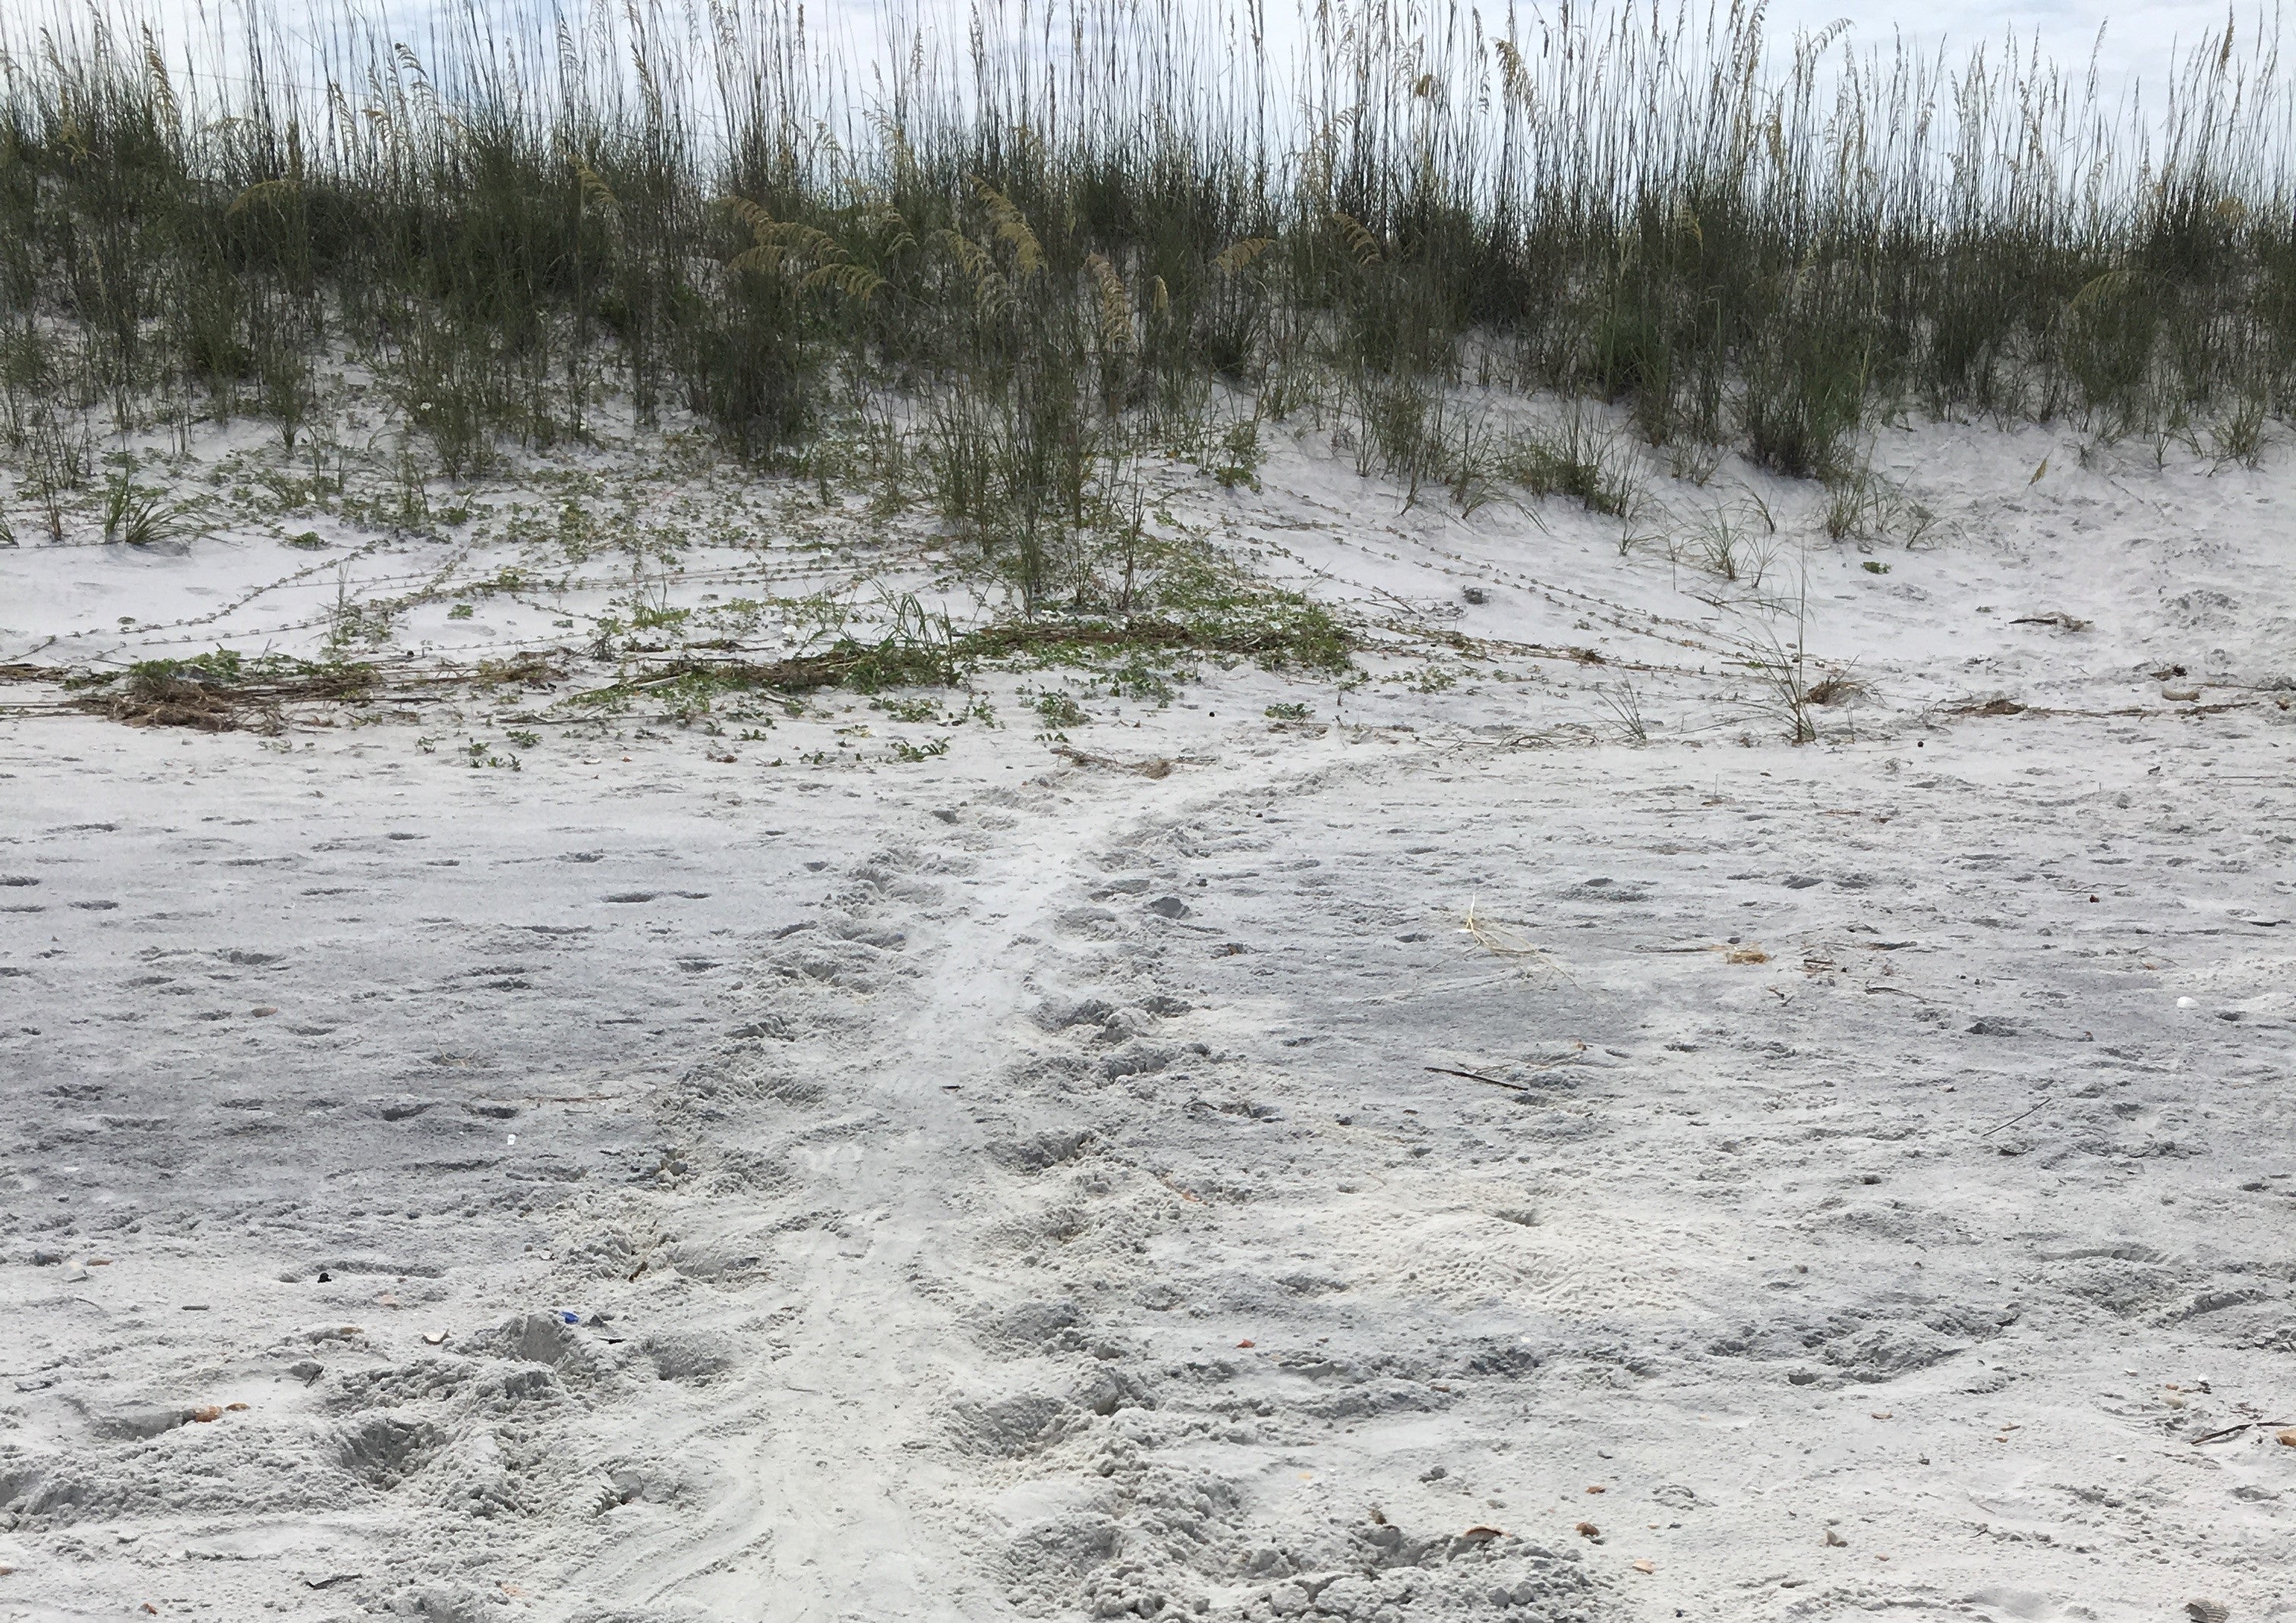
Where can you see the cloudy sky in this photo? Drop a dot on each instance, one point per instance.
(2135, 44)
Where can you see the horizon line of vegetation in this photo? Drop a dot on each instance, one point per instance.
(1094, 237)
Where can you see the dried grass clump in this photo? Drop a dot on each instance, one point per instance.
(173, 699)
(1496, 938)
(1502, 940)
(219, 692)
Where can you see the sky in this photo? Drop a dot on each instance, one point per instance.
(2133, 40)
(2136, 35)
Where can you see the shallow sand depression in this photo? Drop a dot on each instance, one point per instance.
(1425, 1157)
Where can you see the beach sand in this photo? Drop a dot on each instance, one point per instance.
(1424, 1153)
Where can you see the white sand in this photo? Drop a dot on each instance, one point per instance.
(997, 1184)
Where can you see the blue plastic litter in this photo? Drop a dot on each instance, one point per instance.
(570, 1318)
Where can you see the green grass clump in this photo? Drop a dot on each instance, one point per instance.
(271, 675)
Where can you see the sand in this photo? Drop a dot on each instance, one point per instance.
(1430, 1155)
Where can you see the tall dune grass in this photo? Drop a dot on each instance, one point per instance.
(1024, 254)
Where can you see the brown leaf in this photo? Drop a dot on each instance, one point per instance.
(233, 1408)
(2063, 621)
(1587, 1529)
(211, 1412)
(2288, 1437)
(1598, 1488)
